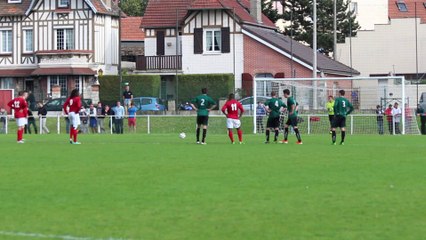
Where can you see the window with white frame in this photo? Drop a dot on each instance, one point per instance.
(78, 83)
(6, 41)
(64, 39)
(58, 80)
(6, 83)
(213, 40)
(28, 41)
(63, 3)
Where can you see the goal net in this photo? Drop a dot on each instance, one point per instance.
(370, 96)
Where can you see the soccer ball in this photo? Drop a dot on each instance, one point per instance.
(182, 135)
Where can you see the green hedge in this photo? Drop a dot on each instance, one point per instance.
(141, 85)
(218, 85)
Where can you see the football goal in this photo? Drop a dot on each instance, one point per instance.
(370, 96)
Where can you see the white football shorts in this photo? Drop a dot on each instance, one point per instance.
(21, 122)
(233, 123)
(74, 119)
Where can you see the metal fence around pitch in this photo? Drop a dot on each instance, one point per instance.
(165, 124)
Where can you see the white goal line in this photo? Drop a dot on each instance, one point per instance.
(50, 236)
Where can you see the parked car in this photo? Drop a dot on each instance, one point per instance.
(248, 101)
(149, 104)
(56, 104)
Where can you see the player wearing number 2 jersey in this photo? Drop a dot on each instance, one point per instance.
(341, 106)
(203, 104)
(20, 107)
(72, 108)
(233, 110)
(273, 106)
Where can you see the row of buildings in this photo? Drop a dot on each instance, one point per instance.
(52, 46)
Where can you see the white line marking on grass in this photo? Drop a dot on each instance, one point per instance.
(64, 237)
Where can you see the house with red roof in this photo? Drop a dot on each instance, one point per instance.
(132, 38)
(224, 36)
(54, 46)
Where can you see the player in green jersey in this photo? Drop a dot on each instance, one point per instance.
(292, 106)
(341, 106)
(203, 104)
(273, 107)
(330, 109)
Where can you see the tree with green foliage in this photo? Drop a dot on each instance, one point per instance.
(269, 10)
(298, 15)
(133, 8)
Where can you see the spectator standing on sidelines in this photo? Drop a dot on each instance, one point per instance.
(341, 106)
(396, 115)
(109, 114)
(379, 118)
(260, 114)
(422, 113)
(273, 107)
(389, 118)
(127, 98)
(118, 115)
(20, 106)
(233, 111)
(3, 116)
(42, 112)
(93, 121)
(131, 121)
(292, 107)
(31, 121)
(203, 104)
(330, 110)
(100, 113)
(84, 118)
(72, 108)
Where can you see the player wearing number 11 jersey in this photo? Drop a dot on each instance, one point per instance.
(72, 107)
(341, 106)
(20, 107)
(233, 110)
(203, 104)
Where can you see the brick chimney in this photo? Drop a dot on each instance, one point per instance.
(256, 10)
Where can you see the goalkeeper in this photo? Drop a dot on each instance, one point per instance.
(341, 106)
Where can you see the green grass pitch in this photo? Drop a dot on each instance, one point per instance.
(162, 187)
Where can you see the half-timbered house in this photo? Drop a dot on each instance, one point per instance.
(54, 46)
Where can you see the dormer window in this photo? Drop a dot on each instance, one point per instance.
(402, 6)
(63, 3)
(14, 1)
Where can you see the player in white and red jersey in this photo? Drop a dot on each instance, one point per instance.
(72, 107)
(233, 110)
(20, 107)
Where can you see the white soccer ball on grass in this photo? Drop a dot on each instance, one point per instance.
(182, 135)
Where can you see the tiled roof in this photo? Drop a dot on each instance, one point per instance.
(101, 7)
(13, 9)
(300, 51)
(414, 8)
(206, 4)
(15, 72)
(130, 29)
(63, 71)
(162, 13)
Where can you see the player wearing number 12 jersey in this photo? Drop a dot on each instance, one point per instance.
(20, 107)
(233, 110)
(341, 106)
(72, 107)
(203, 104)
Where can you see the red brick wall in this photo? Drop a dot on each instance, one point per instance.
(259, 58)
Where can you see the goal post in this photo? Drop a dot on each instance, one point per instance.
(365, 93)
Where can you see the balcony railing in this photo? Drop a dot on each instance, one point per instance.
(150, 63)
